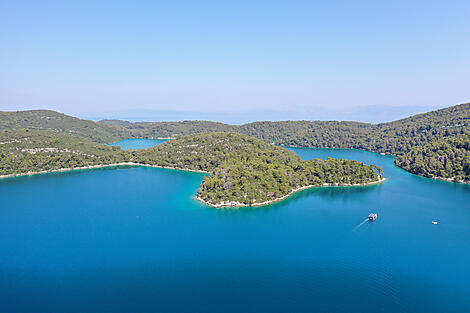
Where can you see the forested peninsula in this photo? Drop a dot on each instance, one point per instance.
(243, 171)
(248, 171)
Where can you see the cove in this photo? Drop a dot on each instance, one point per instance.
(134, 240)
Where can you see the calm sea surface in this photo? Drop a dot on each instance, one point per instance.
(134, 240)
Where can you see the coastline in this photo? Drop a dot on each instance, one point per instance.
(90, 167)
(237, 204)
(218, 205)
(450, 180)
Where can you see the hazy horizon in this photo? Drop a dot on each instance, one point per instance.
(369, 114)
(366, 114)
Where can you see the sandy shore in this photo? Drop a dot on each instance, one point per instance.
(99, 166)
(239, 204)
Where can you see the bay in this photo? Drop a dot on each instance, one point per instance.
(135, 240)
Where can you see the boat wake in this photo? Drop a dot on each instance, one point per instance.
(360, 224)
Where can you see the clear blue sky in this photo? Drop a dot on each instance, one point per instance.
(298, 57)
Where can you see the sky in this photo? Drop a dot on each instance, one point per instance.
(234, 61)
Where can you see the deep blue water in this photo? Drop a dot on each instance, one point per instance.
(134, 240)
(137, 143)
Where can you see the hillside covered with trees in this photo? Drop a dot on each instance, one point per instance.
(61, 123)
(447, 158)
(410, 135)
(410, 139)
(394, 138)
(33, 150)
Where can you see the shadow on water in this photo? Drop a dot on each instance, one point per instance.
(330, 192)
(334, 193)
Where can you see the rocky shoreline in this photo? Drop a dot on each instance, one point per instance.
(225, 204)
(450, 180)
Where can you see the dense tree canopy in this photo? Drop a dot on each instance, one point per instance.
(58, 122)
(409, 135)
(446, 158)
(32, 150)
(410, 139)
(248, 170)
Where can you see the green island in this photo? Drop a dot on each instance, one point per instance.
(244, 171)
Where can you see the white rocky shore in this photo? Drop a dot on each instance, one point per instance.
(225, 204)
(451, 179)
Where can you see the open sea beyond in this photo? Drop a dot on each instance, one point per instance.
(134, 240)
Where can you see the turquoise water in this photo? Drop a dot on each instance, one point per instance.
(134, 240)
(137, 143)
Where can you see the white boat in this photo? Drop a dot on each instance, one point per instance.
(372, 216)
(434, 222)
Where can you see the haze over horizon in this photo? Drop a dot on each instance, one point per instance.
(367, 114)
(235, 62)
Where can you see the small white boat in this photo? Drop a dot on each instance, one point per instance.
(434, 222)
(372, 216)
(382, 153)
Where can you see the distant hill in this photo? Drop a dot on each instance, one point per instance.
(397, 138)
(116, 123)
(58, 122)
(170, 129)
(394, 137)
